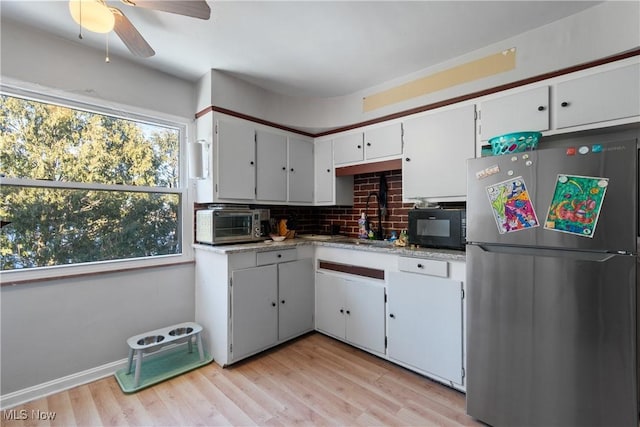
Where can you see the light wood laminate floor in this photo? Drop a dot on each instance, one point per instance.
(313, 380)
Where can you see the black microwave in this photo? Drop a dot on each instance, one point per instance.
(438, 228)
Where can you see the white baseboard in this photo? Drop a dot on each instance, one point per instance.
(45, 389)
(28, 394)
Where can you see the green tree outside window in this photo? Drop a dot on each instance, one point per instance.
(116, 214)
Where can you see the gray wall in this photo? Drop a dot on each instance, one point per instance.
(61, 327)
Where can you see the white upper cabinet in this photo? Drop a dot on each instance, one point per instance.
(271, 168)
(348, 148)
(524, 111)
(436, 148)
(324, 174)
(330, 189)
(284, 170)
(383, 141)
(376, 143)
(608, 95)
(300, 170)
(235, 159)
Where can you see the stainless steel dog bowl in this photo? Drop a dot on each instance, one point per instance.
(151, 339)
(180, 331)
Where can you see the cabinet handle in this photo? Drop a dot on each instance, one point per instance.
(408, 159)
(328, 170)
(368, 144)
(251, 162)
(564, 104)
(291, 169)
(393, 316)
(273, 304)
(284, 168)
(348, 312)
(541, 108)
(282, 301)
(279, 255)
(359, 146)
(341, 311)
(420, 266)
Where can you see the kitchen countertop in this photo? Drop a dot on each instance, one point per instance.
(341, 243)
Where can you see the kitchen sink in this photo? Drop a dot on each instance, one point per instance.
(364, 242)
(319, 237)
(345, 239)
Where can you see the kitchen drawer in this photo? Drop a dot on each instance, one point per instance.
(424, 266)
(272, 257)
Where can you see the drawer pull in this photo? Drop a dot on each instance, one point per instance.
(273, 304)
(420, 266)
(279, 255)
(348, 312)
(282, 301)
(341, 311)
(393, 316)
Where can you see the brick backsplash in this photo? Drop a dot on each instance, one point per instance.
(320, 219)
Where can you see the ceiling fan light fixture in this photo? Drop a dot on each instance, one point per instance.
(92, 15)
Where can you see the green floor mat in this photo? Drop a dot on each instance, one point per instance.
(162, 366)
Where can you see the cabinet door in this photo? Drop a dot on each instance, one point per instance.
(425, 324)
(330, 305)
(271, 167)
(600, 97)
(254, 310)
(436, 147)
(384, 141)
(525, 111)
(365, 314)
(324, 175)
(300, 170)
(348, 148)
(295, 297)
(236, 160)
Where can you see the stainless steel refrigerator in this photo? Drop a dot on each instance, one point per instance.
(552, 284)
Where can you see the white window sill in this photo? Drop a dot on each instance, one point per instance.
(30, 275)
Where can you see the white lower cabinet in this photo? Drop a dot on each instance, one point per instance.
(425, 324)
(270, 304)
(352, 310)
(254, 310)
(295, 298)
(249, 301)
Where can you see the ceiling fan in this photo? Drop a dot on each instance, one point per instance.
(98, 16)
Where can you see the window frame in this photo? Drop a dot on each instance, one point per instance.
(126, 112)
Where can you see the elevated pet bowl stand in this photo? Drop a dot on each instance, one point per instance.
(163, 367)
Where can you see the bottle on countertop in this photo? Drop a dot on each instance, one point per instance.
(362, 226)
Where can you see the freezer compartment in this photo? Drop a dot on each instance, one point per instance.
(551, 339)
(584, 199)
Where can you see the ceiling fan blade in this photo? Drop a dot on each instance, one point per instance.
(195, 9)
(130, 36)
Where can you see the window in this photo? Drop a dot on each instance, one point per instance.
(82, 186)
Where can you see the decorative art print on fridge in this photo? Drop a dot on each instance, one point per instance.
(575, 205)
(512, 206)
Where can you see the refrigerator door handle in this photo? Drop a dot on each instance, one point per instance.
(556, 253)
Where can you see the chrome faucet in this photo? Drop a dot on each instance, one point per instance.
(379, 234)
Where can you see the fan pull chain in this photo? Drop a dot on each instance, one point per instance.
(80, 23)
(106, 59)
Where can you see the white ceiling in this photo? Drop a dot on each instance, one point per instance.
(308, 48)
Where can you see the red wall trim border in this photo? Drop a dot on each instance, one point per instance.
(352, 269)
